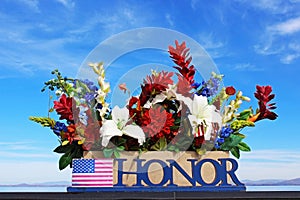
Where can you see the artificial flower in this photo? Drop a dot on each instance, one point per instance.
(263, 94)
(64, 107)
(160, 123)
(180, 56)
(202, 115)
(123, 87)
(118, 126)
(230, 90)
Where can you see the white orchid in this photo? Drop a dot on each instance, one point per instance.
(202, 115)
(118, 126)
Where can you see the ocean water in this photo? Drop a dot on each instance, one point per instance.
(33, 189)
(273, 188)
(64, 189)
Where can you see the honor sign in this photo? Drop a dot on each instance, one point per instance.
(143, 173)
(169, 170)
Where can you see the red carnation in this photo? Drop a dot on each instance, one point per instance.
(160, 125)
(64, 107)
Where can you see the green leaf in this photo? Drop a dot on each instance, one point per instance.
(245, 114)
(235, 152)
(231, 141)
(64, 161)
(243, 146)
(171, 148)
(241, 135)
(116, 153)
(174, 128)
(63, 149)
(160, 145)
(120, 148)
(108, 152)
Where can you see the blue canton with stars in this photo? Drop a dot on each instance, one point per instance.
(84, 166)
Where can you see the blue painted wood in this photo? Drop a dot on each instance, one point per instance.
(159, 189)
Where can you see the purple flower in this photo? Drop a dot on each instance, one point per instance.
(89, 96)
(89, 84)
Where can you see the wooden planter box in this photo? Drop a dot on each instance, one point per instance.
(155, 168)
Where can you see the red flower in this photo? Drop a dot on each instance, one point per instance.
(160, 125)
(230, 90)
(263, 94)
(161, 80)
(198, 141)
(138, 114)
(180, 56)
(70, 134)
(155, 84)
(183, 87)
(90, 131)
(64, 107)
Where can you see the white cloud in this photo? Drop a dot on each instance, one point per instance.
(209, 41)
(288, 59)
(169, 19)
(269, 164)
(215, 47)
(18, 145)
(32, 4)
(247, 67)
(32, 172)
(67, 3)
(270, 6)
(10, 154)
(281, 39)
(287, 27)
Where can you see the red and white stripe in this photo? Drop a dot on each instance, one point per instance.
(102, 177)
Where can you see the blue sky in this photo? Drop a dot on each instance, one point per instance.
(251, 42)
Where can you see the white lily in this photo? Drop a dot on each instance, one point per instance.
(170, 94)
(117, 127)
(202, 115)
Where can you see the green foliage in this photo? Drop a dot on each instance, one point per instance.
(234, 144)
(70, 151)
(245, 114)
(231, 141)
(243, 146)
(109, 152)
(235, 152)
(239, 124)
(160, 145)
(64, 161)
(44, 121)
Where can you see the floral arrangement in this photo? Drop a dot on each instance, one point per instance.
(167, 115)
